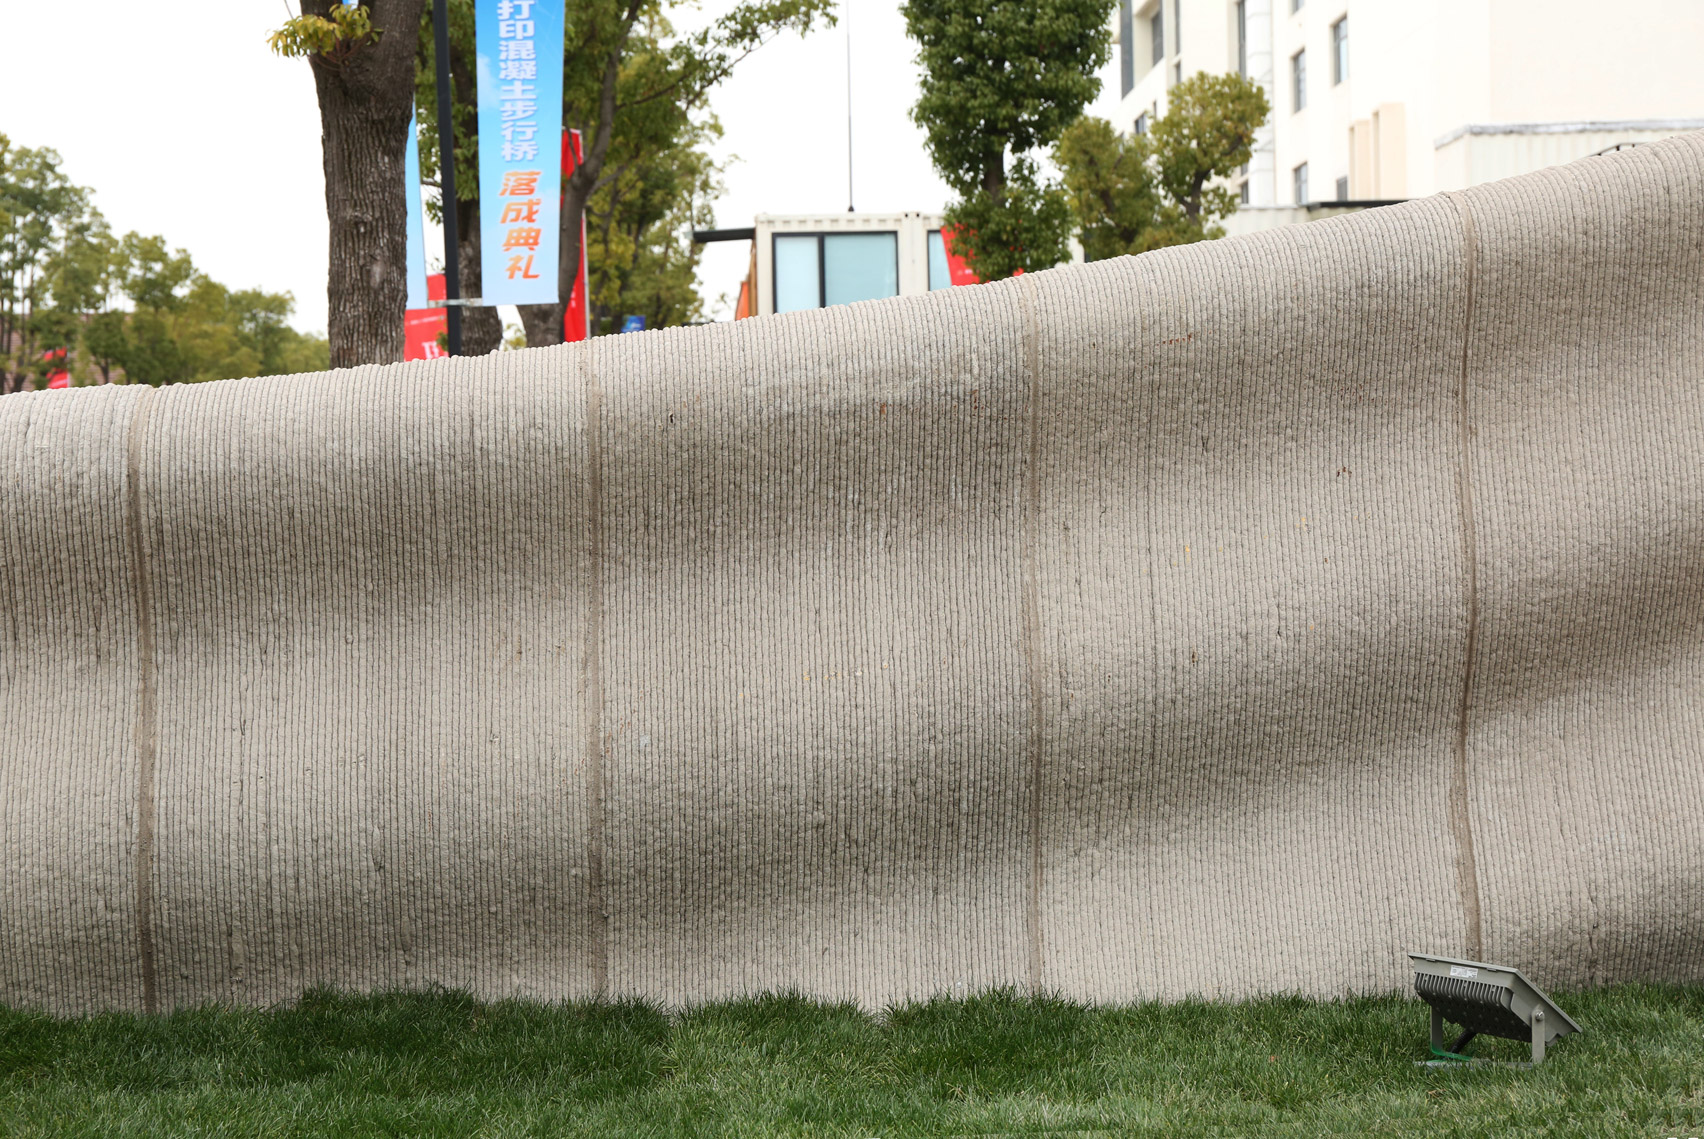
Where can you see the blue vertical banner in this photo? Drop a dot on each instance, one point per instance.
(520, 127)
(416, 223)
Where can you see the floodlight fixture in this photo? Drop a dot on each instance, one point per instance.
(1486, 1000)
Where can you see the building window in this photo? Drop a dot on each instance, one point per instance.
(1242, 38)
(818, 269)
(1141, 126)
(1296, 5)
(1299, 80)
(1340, 51)
(1177, 27)
(1300, 175)
(1242, 192)
(1177, 73)
(1343, 189)
(940, 275)
(1157, 32)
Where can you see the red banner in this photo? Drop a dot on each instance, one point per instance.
(57, 376)
(957, 271)
(576, 322)
(421, 326)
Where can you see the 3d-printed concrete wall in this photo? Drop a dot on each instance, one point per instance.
(1226, 620)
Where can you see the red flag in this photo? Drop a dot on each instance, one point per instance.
(957, 271)
(57, 377)
(421, 326)
(576, 322)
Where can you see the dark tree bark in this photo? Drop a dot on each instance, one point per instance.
(365, 103)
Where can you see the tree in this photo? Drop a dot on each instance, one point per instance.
(363, 61)
(602, 85)
(640, 255)
(41, 211)
(1002, 78)
(185, 327)
(1142, 192)
(105, 341)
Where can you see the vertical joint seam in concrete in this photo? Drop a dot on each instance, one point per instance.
(592, 679)
(145, 728)
(1031, 631)
(1460, 807)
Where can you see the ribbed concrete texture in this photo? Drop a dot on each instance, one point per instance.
(1226, 620)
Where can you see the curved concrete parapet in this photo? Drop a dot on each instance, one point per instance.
(1231, 619)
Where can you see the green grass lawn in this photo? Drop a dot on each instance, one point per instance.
(443, 1064)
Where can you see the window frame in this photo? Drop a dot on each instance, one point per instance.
(1299, 81)
(1299, 188)
(930, 236)
(822, 262)
(1157, 34)
(1340, 50)
(1242, 38)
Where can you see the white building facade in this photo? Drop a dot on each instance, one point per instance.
(1378, 100)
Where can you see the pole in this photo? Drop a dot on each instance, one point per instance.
(848, 117)
(447, 172)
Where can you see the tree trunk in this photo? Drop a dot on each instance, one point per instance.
(482, 328)
(365, 105)
(994, 177)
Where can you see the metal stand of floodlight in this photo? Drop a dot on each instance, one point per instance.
(1486, 1000)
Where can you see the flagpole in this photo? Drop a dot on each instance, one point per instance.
(447, 173)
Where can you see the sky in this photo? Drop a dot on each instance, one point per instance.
(191, 128)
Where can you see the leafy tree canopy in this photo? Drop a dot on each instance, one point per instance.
(1171, 186)
(1002, 78)
(133, 305)
(641, 259)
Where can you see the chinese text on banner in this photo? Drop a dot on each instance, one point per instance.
(520, 121)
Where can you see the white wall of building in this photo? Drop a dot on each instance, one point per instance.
(1440, 94)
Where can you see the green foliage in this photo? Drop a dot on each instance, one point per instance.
(330, 39)
(1002, 78)
(1206, 133)
(187, 327)
(443, 1064)
(61, 270)
(105, 340)
(1022, 229)
(640, 255)
(42, 216)
(659, 183)
(1169, 187)
(153, 276)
